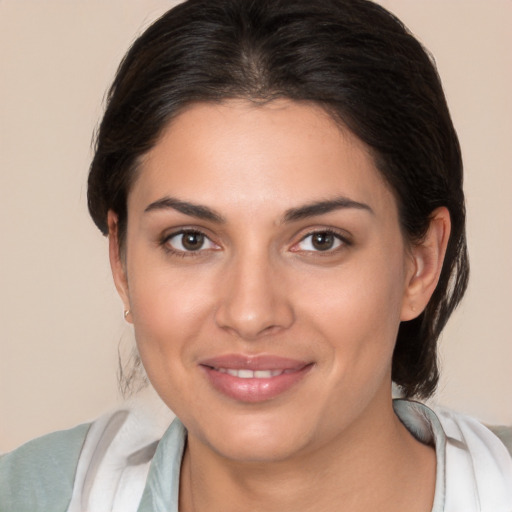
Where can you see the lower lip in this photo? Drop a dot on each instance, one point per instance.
(254, 390)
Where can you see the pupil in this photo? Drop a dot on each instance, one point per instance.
(323, 241)
(193, 241)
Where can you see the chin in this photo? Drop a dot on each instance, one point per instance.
(255, 447)
(256, 438)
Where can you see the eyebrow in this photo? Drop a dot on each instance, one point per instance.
(191, 209)
(291, 215)
(323, 207)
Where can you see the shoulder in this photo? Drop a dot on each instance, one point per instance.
(97, 466)
(476, 438)
(504, 434)
(476, 460)
(474, 466)
(39, 475)
(117, 455)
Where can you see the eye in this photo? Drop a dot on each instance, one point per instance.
(189, 241)
(320, 241)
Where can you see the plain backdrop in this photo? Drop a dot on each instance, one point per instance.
(60, 319)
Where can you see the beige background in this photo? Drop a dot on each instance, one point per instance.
(60, 320)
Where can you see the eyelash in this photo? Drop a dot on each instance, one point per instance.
(165, 242)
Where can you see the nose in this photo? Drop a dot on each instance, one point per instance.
(253, 300)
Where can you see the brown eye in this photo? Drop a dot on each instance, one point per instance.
(190, 241)
(320, 241)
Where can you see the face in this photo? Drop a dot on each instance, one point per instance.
(266, 274)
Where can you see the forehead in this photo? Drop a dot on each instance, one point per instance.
(239, 153)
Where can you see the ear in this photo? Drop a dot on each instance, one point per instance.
(426, 263)
(117, 264)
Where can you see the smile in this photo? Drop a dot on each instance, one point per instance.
(253, 379)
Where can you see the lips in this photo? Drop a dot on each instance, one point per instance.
(254, 378)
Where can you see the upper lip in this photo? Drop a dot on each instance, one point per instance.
(250, 362)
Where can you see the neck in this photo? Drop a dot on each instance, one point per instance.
(376, 465)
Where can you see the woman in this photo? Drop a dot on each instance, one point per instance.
(281, 185)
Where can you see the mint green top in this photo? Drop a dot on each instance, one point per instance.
(39, 475)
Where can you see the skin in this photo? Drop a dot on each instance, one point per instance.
(258, 285)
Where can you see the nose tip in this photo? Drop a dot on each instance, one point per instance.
(248, 326)
(254, 305)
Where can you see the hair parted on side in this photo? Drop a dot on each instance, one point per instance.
(351, 57)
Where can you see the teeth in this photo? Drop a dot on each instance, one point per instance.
(249, 374)
(263, 374)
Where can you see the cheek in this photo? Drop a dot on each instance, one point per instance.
(170, 308)
(167, 321)
(358, 307)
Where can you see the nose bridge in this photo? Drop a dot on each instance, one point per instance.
(253, 301)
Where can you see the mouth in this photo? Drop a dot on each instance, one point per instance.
(252, 379)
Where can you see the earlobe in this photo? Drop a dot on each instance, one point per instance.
(427, 259)
(116, 262)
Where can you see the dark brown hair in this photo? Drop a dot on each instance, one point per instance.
(353, 58)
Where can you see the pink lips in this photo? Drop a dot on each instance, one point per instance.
(253, 378)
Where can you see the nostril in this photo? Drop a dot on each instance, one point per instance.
(253, 324)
